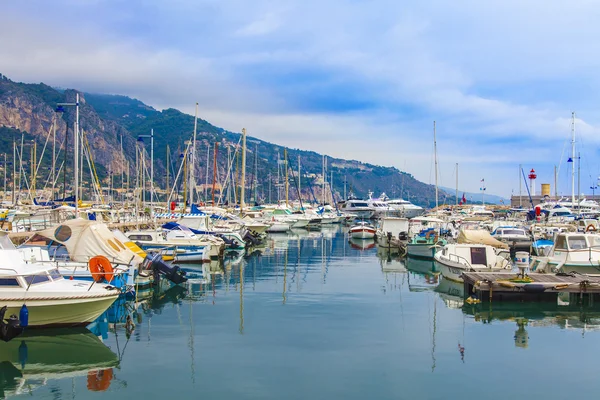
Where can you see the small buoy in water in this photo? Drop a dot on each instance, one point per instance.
(24, 316)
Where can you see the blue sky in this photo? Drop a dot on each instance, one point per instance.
(349, 78)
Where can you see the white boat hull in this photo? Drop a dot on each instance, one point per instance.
(47, 312)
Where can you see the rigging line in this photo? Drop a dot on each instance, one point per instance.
(229, 169)
(178, 173)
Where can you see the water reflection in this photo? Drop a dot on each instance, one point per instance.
(425, 270)
(39, 356)
(452, 293)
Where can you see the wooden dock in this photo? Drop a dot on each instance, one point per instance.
(505, 286)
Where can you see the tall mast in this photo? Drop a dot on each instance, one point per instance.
(207, 164)
(299, 181)
(76, 156)
(256, 174)
(193, 159)
(214, 172)
(573, 159)
(436, 167)
(167, 191)
(520, 187)
(15, 171)
(579, 182)
(243, 189)
(53, 156)
(456, 183)
(287, 183)
(323, 186)
(555, 183)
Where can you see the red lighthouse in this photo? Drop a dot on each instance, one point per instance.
(532, 177)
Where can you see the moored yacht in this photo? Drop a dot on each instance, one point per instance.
(50, 299)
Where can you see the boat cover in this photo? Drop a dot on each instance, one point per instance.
(84, 239)
(479, 236)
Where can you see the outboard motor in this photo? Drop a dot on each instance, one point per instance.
(156, 264)
(10, 328)
(403, 236)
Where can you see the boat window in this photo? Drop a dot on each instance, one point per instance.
(478, 255)
(55, 274)
(561, 243)
(360, 205)
(62, 233)
(39, 278)
(9, 282)
(113, 245)
(594, 241)
(140, 237)
(512, 232)
(577, 242)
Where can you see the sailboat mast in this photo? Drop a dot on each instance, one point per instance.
(436, 167)
(242, 194)
(299, 181)
(168, 173)
(214, 172)
(193, 159)
(323, 186)
(76, 156)
(573, 158)
(287, 182)
(456, 183)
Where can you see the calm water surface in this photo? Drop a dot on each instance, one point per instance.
(314, 316)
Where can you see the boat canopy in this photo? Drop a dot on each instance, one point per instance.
(479, 236)
(85, 239)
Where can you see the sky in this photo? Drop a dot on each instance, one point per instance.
(353, 79)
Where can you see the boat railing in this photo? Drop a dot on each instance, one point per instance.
(458, 259)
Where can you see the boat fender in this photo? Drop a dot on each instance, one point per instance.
(506, 284)
(590, 228)
(24, 316)
(561, 286)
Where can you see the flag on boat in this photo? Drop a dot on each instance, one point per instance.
(464, 199)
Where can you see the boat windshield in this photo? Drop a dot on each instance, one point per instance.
(577, 242)
(38, 278)
(55, 274)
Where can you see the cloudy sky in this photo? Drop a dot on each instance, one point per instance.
(351, 78)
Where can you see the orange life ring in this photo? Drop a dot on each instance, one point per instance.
(99, 381)
(101, 268)
(590, 228)
(429, 234)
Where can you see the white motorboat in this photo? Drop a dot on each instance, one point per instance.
(454, 259)
(571, 252)
(360, 208)
(362, 230)
(405, 208)
(50, 299)
(513, 236)
(476, 250)
(392, 232)
(185, 245)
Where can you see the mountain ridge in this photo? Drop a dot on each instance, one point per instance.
(109, 119)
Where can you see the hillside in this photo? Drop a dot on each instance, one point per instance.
(109, 119)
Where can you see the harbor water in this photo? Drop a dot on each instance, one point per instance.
(312, 315)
